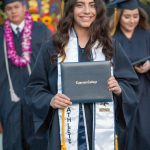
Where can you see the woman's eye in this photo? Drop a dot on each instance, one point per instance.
(136, 16)
(79, 5)
(93, 5)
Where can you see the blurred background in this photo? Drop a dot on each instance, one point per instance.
(49, 11)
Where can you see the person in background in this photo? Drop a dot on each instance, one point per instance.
(82, 36)
(20, 42)
(131, 29)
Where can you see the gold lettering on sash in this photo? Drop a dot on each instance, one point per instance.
(104, 109)
(69, 125)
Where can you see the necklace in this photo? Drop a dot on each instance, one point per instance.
(25, 59)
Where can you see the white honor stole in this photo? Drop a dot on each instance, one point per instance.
(103, 113)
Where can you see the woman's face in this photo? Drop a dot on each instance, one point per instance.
(84, 13)
(129, 20)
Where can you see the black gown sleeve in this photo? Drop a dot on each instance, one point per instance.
(38, 90)
(148, 75)
(148, 45)
(126, 103)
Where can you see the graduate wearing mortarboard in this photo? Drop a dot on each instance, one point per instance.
(21, 39)
(82, 35)
(131, 29)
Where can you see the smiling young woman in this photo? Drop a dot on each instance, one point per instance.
(82, 36)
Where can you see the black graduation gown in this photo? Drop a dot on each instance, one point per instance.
(136, 48)
(42, 86)
(14, 123)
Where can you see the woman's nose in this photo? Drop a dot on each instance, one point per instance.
(87, 9)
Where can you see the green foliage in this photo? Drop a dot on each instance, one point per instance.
(2, 17)
(146, 2)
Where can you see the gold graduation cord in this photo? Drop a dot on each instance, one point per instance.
(63, 141)
(116, 142)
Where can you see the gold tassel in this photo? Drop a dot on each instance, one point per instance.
(116, 142)
(62, 7)
(63, 145)
(115, 21)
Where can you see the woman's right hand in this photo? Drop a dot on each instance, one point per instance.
(60, 101)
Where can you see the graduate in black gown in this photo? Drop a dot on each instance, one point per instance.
(131, 29)
(87, 18)
(16, 63)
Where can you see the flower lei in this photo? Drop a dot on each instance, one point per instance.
(26, 42)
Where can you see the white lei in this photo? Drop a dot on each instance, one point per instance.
(103, 115)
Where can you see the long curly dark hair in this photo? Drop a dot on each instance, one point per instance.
(99, 30)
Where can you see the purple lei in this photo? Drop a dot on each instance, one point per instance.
(26, 42)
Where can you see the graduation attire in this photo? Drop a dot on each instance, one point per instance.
(42, 87)
(16, 117)
(138, 47)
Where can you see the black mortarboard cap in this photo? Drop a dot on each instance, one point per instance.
(10, 1)
(124, 4)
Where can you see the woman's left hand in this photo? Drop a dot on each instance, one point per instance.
(113, 86)
(143, 68)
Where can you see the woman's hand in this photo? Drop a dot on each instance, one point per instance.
(60, 101)
(113, 86)
(143, 68)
